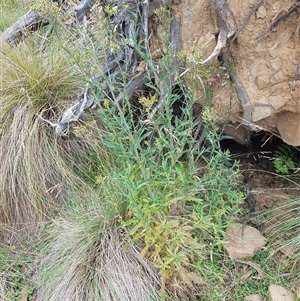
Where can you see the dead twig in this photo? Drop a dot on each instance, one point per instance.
(125, 27)
(294, 83)
(251, 12)
(279, 19)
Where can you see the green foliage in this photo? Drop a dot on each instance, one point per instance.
(283, 161)
(174, 215)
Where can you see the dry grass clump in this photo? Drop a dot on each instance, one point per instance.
(283, 227)
(36, 167)
(84, 261)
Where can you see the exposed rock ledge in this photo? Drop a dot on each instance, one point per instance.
(265, 61)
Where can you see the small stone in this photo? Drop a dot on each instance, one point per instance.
(279, 293)
(255, 297)
(261, 112)
(277, 101)
(261, 12)
(242, 242)
(276, 64)
(262, 81)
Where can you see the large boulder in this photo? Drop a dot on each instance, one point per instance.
(265, 61)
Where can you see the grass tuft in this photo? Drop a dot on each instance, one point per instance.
(36, 167)
(86, 260)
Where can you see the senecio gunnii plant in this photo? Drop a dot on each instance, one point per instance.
(129, 212)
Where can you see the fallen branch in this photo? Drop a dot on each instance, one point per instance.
(33, 20)
(129, 24)
(279, 19)
(25, 25)
(126, 27)
(87, 100)
(251, 12)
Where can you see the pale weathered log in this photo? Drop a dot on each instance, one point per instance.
(28, 23)
(33, 20)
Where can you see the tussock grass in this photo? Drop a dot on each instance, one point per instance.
(36, 167)
(86, 260)
(283, 228)
(281, 222)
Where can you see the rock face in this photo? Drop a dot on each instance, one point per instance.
(264, 60)
(279, 293)
(242, 242)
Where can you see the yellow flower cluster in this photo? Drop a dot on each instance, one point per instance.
(147, 102)
(84, 129)
(160, 12)
(110, 10)
(47, 8)
(209, 115)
